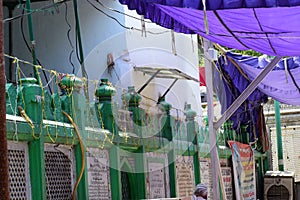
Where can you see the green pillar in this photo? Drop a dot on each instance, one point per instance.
(259, 168)
(166, 127)
(80, 47)
(115, 173)
(80, 109)
(192, 130)
(74, 105)
(133, 99)
(140, 182)
(104, 106)
(33, 108)
(106, 119)
(32, 41)
(167, 132)
(37, 169)
(279, 136)
(172, 172)
(266, 163)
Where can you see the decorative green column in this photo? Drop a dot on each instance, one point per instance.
(278, 136)
(138, 116)
(167, 132)
(259, 168)
(167, 128)
(106, 119)
(192, 133)
(74, 104)
(31, 105)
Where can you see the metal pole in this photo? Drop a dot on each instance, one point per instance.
(78, 38)
(4, 173)
(32, 41)
(10, 42)
(279, 136)
(212, 131)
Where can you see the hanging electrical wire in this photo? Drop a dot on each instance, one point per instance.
(42, 9)
(68, 36)
(125, 27)
(120, 12)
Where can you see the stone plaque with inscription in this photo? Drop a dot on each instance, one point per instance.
(156, 180)
(157, 175)
(185, 176)
(206, 176)
(98, 174)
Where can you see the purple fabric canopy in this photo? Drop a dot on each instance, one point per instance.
(282, 84)
(255, 25)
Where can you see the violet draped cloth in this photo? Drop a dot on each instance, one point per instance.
(270, 27)
(229, 84)
(282, 84)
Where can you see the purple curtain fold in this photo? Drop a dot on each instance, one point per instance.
(282, 84)
(228, 86)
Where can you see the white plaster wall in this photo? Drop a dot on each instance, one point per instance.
(50, 29)
(155, 50)
(102, 35)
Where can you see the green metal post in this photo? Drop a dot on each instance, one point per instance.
(37, 169)
(133, 99)
(79, 117)
(33, 109)
(115, 173)
(78, 32)
(82, 190)
(32, 41)
(140, 182)
(166, 120)
(260, 177)
(74, 104)
(105, 116)
(167, 132)
(192, 130)
(172, 172)
(266, 163)
(196, 168)
(79, 35)
(279, 136)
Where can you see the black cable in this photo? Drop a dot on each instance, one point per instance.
(76, 44)
(260, 26)
(69, 39)
(84, 73)
(23, 35)
(30, 50)
(108, 15)
(228, 29)
(126, 27)
(293, 79)
(120, 12)
(31, 12)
